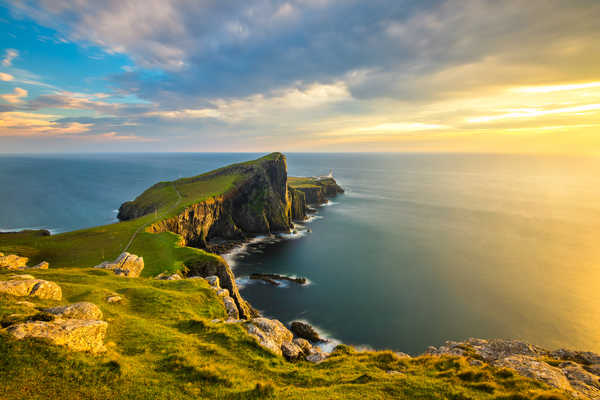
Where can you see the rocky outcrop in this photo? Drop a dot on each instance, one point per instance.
(233, 312)
(82, 310)
(318, 190)
(15, 262)
(32, 288)
(12, 261)
(166, 276)
(573, 371)
(306, 331)
(273, 335)
(75, 334)
(126, 264)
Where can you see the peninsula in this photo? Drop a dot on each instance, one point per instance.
(147, 308)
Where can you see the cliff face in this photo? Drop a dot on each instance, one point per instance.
(316, 191)
(259, 204)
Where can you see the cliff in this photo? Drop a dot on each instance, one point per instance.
(229, 204)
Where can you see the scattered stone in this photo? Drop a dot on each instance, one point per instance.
(316, 355)
(114, 299)
(13, 261)
(213, 281)
(165, 276)
(306, 331)
(75, 334)
(83, 310)
(291, 351)
(304, 345)
(270, 333)
(42, 265)
(32, 287)
(232, 310)
(126, 264)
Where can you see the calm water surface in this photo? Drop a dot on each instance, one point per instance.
(421, 248)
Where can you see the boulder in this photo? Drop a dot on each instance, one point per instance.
(83, 310)
(13, 261)
(305, 331)
(42, 265)
(232, 310)
(291, 351)
(126, 264)
(114, 299)
(304, 345)
(169, 277)
(32, 287)
(222, 292)
(75, 334)
(270, 333)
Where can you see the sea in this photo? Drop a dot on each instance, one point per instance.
(421, 248)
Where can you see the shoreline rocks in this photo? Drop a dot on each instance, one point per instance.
(306, 331)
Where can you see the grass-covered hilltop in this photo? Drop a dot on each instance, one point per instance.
(82, 319)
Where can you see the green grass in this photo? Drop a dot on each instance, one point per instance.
(162, 345)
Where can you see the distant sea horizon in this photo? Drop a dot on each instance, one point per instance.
(422, 248)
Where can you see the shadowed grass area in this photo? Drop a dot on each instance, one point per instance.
(162, 345)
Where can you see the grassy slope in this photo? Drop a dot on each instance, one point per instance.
(162, 344)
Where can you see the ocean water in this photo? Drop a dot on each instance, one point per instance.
(422, 248)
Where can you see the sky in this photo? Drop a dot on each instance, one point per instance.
(484, 76)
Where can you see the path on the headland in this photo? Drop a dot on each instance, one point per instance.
(179, 198)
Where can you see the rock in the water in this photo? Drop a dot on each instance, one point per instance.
(75, 334)
(291, 351)
(42, 265)
(126, 264)
(83, 310)
(13, 261)
(536, 369)
(304, 345)
(114, 299)
(32, 287)
(270, 333)
(305, 331)
(231, 307)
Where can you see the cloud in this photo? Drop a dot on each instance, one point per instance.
(6, 77)
(16, 97)
(9, 56)
(33, 124)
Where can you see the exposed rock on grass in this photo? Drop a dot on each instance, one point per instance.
(75, 334)
(83, 310)
(42, 265)
(114, 299)
(13, 261)
(126, 264)
(270, 333)
(165, 276)
(573, 371)
(31, 287)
